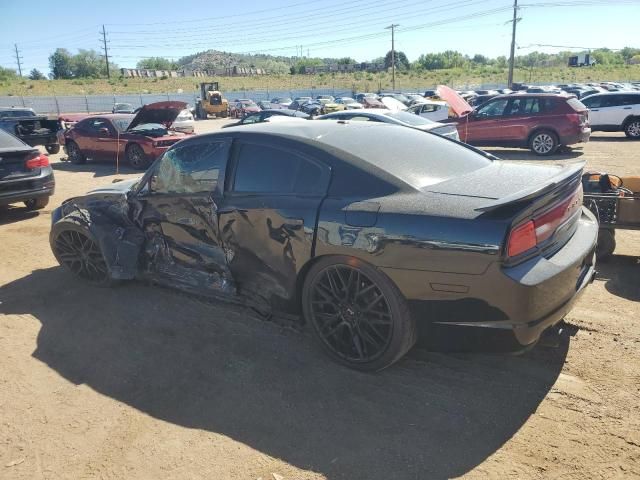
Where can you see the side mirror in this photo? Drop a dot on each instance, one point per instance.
(153, 183)
(104, 132)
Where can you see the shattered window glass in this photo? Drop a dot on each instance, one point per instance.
(191, 169)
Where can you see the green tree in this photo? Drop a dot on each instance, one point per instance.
(346, 61)
(88, 64)
(401, 60)
(61, 64)
(7, 74)
(36, 74)
(157, 63)
(479, 59)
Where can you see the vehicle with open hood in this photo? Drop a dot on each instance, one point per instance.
(377, 234)
(138, 139)
(539, 121)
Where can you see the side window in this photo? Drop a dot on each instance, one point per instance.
(191, 169)
(593, 102)
(612, 100)
(631, 100)
(97, 123)
(429, 108)
(264, 169)
(493, 109)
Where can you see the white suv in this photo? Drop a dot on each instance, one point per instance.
(615, 111)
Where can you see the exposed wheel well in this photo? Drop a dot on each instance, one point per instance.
(630, 118)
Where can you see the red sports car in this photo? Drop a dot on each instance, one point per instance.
(139, 139)
(242, 108)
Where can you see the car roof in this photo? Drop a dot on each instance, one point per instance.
(112, 116)
(619, 92)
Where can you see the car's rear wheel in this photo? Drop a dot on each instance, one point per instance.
(75, 154)
(357, 313)
(606, 243)
(53, 149)
(632, 129)
(76, 249)
(136, 157)
(36, 203)
(543, 142)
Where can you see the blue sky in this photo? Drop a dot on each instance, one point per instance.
(141, 28)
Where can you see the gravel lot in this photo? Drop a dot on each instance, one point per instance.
(141, 382)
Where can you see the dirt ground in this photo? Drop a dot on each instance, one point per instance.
(141, 382)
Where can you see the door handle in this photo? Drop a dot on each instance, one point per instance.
(627, 108)
(595, 110)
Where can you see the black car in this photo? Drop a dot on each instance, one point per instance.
(25, 174)
(32, 129)
(378, 234)
(263, 115)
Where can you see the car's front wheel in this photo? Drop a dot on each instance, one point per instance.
(76, 249)
(632, 129)
(75, 154)
(543, 143)
(136, 157)
(357, 313)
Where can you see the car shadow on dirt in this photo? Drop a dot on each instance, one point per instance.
(602, 138)
(216, 367)
(13, 213)
(621, 274)
(97, 167)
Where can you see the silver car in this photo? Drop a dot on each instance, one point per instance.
(397, 118)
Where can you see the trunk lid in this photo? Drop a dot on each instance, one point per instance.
(13, 163)
(164, 113)
(545, 201)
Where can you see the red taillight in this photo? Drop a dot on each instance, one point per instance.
(37, 162)
(521, 239)
(533, 232)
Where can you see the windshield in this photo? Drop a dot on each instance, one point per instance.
(145, 128)
(121, 124)
(409, 118)
(248, 103)
(348, 100)
(122, 106)
(9, 141)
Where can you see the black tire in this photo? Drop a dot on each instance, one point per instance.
(225, 114)
(75, 154)
(53, 149)
(36, 203)
(606, 244)
(543, 143)
(632, 129)
(370, 325)
(78, 251)
(136, 157)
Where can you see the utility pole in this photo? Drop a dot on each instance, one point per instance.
(393, 53)
(18, 58)
(106, 52)
(513, 44)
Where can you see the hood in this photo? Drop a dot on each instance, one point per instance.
(393, 104)
(458, 104)
(164, 113)
(115, 188)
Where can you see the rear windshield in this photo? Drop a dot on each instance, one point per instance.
(417, 158)
(17, 113)
(9, 141)
(576, 104)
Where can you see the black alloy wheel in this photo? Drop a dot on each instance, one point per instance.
(136, 157)
(75, 155)
(357, 314)
(80, 254)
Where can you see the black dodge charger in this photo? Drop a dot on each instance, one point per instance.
(377, 234)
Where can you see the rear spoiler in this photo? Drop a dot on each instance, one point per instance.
(534, 191)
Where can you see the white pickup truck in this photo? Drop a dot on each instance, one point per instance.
(615, 111)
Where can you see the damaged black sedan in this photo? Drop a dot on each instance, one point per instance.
(375, 246)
